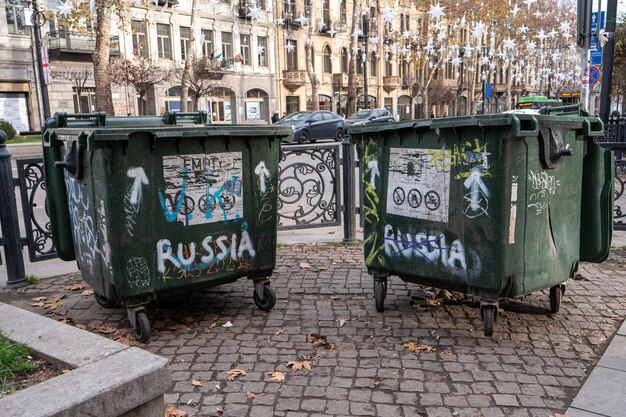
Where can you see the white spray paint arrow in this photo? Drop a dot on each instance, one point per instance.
(475, 184)
(263, 173)
(140, 178)
(373, 167)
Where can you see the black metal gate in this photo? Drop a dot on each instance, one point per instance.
(615, 140)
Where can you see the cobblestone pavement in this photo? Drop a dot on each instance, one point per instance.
(532, 366)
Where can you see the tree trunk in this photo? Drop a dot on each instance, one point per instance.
(308, 51)
(189, 59)
(352, 85)
(142, 104)
(101, 55)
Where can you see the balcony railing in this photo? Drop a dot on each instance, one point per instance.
(294, 79)
(77, 42)
(391, 83)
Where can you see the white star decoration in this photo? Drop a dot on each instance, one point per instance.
(65, 8)
(301, 19)
(290, 48)
(388, 14)
(255, 13)
(436, 11)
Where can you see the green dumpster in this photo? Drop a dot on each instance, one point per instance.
(152, 205)
(491, 206)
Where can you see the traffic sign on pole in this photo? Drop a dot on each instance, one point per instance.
(595, 46)
(594, 75)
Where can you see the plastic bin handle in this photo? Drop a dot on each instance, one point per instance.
(525, 126)
(593, 127)
(99, 118)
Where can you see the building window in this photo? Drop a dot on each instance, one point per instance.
(326, 13)
(262, 51)
(373, 64)
(343, 15)
(293, 104)
(292, 56)
(307, 8)
(207, 47)
(344, 60)
(185, 36)
(289, 9)
(140, 47)
(163, 41)
(256, 105)
(389, 103)
(404, 22)
(388, 68)
(227, 45)
(15, 16)
(328, 65)
(244, 41)
(221, 102)
(86, 101)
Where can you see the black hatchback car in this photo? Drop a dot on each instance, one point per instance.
(309, 126)
(365, 117)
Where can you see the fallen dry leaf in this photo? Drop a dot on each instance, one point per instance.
(65, 371)
(80, 326)
(172, 411)
(297, 365)
(415, 348)
(317, 340)
(188, 319)
(87, 293)
(38, 299)
(37, 304)
(235, 373)
(177, 327)
(250, 394)
(279, 332)
(447, 353)
(335, 297)
(75, 287)
(101, 328)
(196, 383)
(304, 265)
(278, 376)
(433, 302)
(67, 320)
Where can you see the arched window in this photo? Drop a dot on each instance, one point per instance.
(373, 64)
(344, 60)
(328, 65)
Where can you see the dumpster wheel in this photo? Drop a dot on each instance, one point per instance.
(488, 313)
(380, 293)
(103, 301)
(269, 298)
(142, 327)
(556, 293)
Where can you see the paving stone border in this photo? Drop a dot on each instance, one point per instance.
(108, 379)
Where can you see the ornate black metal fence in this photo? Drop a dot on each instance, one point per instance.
(309, 187)
(615, 140)
(34, 209)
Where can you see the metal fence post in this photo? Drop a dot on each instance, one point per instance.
(349, 200)
(9, 220)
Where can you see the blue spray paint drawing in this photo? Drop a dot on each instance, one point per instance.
(202, 188)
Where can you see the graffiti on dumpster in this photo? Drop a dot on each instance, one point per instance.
(476, 201)
(134, 197)
(541, 186)
(431, 247)
(202, 188)
(138, 273)
(192, 259)
(419, 183)
(370, 202)
(91, 242)
(513, 211)
(263, 173)
(464, 158)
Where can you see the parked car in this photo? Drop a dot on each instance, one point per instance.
(365, 117)
(309, 126)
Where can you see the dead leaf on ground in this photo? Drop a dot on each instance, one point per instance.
(579, 277)
(433, 302)
(80, 326)
(304, 265)
(318, 340)
(37, 305)
(236, 373)
(87, 293)
(196, 383)
(250, 394)
(177, 327)
(66, 320)
(415, 348)
(188, 319)
(299, 364)
(172, 411)
(66, 371)
(278, 376)
(101, 328)
(39, 299)
(447, 353)
(211, 327)
(501, 312)
(279, 332)
(335, 297)
(75, 287)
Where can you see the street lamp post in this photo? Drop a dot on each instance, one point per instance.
(366, 101)
(38, 21)
(483, 78)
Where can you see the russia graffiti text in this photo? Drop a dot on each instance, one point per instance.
(431, 248)
(541, 185)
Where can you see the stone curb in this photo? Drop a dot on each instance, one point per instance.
(108, 380)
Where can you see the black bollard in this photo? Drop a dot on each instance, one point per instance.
(9, 220)
(349, 201)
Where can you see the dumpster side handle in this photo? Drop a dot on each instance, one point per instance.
(523, 127)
